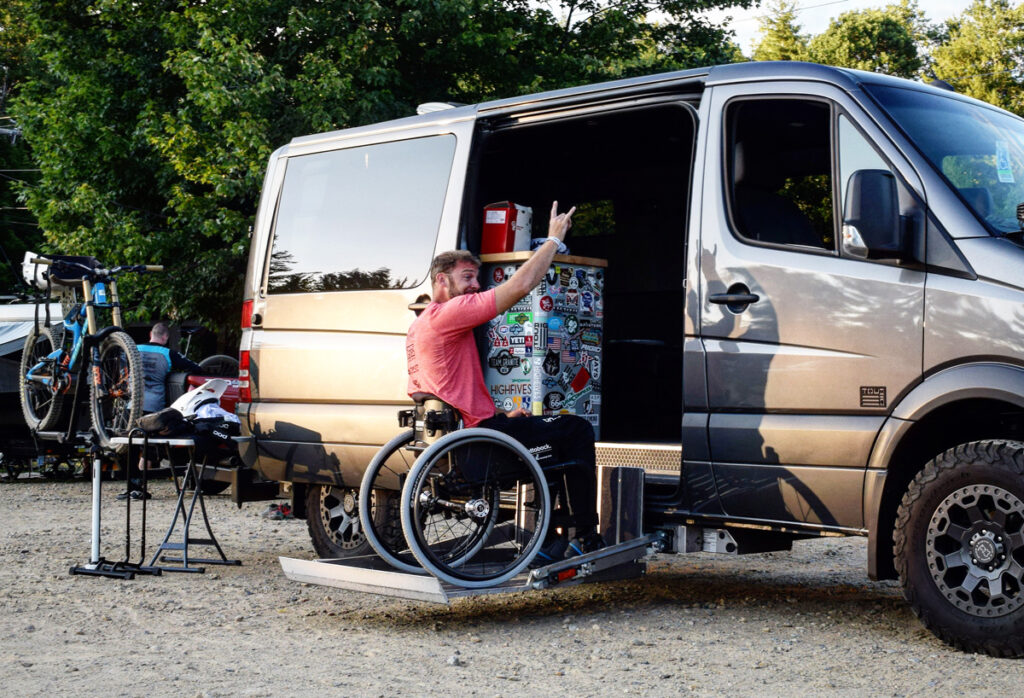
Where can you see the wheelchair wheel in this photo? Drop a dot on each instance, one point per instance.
(379, 497)
(475, 508)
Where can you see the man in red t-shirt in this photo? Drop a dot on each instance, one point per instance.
(443, 361)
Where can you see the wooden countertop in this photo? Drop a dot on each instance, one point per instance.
(525, 255)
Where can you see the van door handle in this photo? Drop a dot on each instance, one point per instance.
(737, 297)
(257, 320)
(734, 298)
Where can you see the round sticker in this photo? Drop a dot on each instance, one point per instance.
(555, 324)
(546, 304)
(499, 275)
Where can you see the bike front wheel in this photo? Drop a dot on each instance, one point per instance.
(117, 388)
(44, 398)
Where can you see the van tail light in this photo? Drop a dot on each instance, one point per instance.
(246, 314)
(244, 390)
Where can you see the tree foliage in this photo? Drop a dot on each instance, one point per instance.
(983, 55)
(781, 39)
(152, 121)
(877, 40)
(18, 229)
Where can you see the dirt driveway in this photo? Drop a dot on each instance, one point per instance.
(797, 623)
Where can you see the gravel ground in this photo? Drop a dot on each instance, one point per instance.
(794, 623)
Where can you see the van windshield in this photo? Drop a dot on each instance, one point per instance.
(979, 150)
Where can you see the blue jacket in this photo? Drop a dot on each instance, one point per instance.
(157, 362)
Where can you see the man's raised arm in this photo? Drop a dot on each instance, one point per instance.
(533, 270)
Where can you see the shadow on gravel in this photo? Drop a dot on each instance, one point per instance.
(683, 593)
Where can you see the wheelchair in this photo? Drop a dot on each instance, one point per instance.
(470, 506)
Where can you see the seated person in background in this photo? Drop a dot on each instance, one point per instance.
(443, 360)
(157, 362)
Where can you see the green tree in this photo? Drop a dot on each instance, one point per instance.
(18, 228)
(781, 39)
(984, 54)
(152, 122)
(881, 41)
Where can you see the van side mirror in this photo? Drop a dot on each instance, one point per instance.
(872, 227)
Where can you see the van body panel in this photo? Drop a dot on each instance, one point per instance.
(331, 365)
(822, 440)
(819, 496)
(810, 345)
(824, 457)
(975, 320)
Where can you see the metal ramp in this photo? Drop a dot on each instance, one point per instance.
(372, 575)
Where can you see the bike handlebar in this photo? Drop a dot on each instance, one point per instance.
(138, 268)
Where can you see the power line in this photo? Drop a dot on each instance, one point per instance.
(796, 10)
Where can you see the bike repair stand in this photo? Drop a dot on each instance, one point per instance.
(97, 565)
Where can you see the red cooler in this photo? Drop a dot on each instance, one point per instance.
(506, 228)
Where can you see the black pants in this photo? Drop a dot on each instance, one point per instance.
(553, 441)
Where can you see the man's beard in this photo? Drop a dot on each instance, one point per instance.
(454, 291)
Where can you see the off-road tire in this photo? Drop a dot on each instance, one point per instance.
(961, 520)
(115, 403)
(332, 517)
(43, 409)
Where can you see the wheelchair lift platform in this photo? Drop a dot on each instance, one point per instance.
(373, 575)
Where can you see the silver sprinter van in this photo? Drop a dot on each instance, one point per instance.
(813, 308)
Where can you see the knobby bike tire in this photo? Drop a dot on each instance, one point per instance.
(116, 389)
(43, 407)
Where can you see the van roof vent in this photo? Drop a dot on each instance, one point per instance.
(428, 107)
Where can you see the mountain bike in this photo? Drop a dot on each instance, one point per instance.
(58, 359)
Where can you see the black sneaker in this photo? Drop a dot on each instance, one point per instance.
(587, 543)
(552, 550)
(134, 494)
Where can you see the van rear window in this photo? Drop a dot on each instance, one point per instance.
(360, 218)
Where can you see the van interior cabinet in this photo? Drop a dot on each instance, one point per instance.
(544, 354)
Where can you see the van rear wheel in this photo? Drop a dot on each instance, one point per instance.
(959, 547)
(332, 516)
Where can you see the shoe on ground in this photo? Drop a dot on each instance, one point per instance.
(134, 494)
(586, 543)
(277, 512)
(552, 550)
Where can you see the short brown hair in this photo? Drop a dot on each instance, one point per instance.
(160, 332)
(446, 261)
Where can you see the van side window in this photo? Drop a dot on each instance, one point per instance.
(338, 228)
(780, 171)
(855, 153)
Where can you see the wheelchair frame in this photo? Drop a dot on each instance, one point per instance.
(510, 522)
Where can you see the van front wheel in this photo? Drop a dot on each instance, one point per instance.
(959, 547)
(332, 516)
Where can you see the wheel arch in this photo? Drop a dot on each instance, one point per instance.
(959, 404)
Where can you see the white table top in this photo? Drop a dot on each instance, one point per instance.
(154, 441)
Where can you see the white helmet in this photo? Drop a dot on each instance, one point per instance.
(208, 392)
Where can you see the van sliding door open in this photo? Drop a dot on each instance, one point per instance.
(627, 170)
